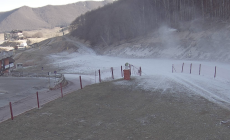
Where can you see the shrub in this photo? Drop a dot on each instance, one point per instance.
(37, 35)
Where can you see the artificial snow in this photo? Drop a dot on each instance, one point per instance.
(156, 74)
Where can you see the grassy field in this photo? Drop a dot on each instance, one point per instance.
(108, 111)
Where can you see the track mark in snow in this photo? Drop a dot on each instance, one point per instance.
(209, 90)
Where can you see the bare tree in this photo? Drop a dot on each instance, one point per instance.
(125, 19)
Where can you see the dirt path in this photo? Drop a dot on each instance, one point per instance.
(108, 111)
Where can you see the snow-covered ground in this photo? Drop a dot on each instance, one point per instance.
(156, 74)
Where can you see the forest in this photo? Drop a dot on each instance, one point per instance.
(127, 19)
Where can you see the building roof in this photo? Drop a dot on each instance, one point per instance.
(16, 31)
(5, 54)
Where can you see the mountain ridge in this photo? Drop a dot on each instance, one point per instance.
(49, 16)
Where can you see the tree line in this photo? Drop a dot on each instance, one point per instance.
(126, 19)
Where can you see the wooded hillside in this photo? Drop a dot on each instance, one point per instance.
(126, 19)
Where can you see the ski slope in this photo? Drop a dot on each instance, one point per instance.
(156, 74)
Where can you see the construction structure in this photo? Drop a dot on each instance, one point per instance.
(6, 62)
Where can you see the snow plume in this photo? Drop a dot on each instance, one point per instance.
(166, 36)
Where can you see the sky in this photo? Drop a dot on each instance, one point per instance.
(8, 5)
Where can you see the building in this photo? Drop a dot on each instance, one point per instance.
(14, 34)
(6, 61)
(7, 36)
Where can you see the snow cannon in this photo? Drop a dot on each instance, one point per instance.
(127, 71)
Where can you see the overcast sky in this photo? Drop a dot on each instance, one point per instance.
(7, 5)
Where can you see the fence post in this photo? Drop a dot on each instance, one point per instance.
(199, 69)
(37, 99)
(112, 72)
(99, 75)
(191, 68)
(11, 111)
(215, 72)
(140, 71)
(172, 68)
(95, 77)
(121, 72)
(49, 78)
(182, 68)
(61, 90)
(80, 82)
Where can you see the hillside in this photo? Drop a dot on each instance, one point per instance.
(211, 44)
(189, 29)
(26, 18)
(127, 19)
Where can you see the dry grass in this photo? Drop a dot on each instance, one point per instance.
(47, 33)
(110, 112)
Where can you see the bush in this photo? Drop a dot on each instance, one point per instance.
(37, 35)
(28, 42)
(26, 35)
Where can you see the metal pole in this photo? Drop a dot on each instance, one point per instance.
(199, 69)
(49, 79)
(215, 72)
(191, 68)
(37, 99)
(140, 71)
(182, 67)
(112, 72)
(121, 72)
(80, 82)
(99, 75)
(11, 111)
